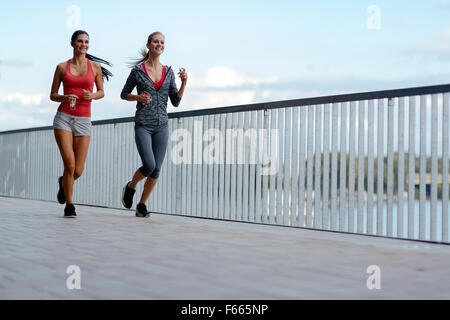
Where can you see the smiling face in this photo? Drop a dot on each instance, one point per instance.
(156, 44)
(81, 44)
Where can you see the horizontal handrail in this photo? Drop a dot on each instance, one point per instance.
(371, 95)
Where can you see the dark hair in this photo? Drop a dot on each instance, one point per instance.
(105, 72)
(144, 52)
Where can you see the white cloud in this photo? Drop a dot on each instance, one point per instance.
(46, 110)
(443, 5)
(445, 33)
(10, 121)
(197, 99)
(22, 98)
(438, 46)
(23, 110)
(224, 77)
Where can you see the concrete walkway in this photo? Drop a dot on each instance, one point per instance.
(174, 257)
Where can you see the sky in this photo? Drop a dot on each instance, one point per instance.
(235, 52)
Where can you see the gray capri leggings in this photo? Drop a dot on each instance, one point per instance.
(151, 143)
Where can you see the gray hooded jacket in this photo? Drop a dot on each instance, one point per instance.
(155, 113)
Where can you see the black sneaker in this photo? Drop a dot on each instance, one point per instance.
(127, 196)
(69, 211)
(61, 197)
(141, 211)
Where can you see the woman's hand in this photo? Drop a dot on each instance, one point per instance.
(87, 95)
(183, 75)
(71, 97)
(144, 98)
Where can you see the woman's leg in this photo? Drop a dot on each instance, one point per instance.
(144, 145)
(160, 140)
(80, 147)
(138, 176)
(64, 139)
(148, 188)
(143, 140)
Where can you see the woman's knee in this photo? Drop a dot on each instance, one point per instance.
(78, 172)
(155, 173)
(69, 168)
(147, 168)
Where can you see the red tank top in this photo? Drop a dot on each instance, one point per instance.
(158, 84)
(75, 85)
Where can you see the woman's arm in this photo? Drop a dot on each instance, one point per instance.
(98, 83)
(183, 76)
(175, 94)
(129, 87)
(57, 79)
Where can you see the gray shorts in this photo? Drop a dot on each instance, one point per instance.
(79, 126)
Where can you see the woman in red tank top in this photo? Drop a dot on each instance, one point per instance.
(72, 121)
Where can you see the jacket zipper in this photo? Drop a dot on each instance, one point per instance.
(157, 95)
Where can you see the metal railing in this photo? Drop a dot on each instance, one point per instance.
(369, 163)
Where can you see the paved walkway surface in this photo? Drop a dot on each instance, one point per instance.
(175, 257)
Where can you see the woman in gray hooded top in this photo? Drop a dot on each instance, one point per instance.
(155, 84)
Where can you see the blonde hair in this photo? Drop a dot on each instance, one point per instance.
(144, 52)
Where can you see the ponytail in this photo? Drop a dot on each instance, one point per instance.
(105, 72)
(144, 52)
(145, 55)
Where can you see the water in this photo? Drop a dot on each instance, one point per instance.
(395, 214)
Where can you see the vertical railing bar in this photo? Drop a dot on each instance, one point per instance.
(179, 178)
(228, 153)
(254, 159)
(287, 166)
(343, 168)
(445, 169)
(171, 171)
(165, 173)
(318, 169)
(265, 181)
(423, 166)
(183, 166)
(93, 160)
(351, 168)
(275, 180)
(334, 170)
(411, 166)
(310, 164)
(159, 191)
(210, 189)
(239, 165)
(434, 166)
(380, 167)
(246, 150)
(390, 167)
(301, 190)
(295, 162)
(204, 187)
(216, 165)
(361, 165)
(113, 168)
(258, 185)
(190, 167)
(370, 166)
(106, 151)
(222, 129)
(326, 167)
(401, 167)
(272, 181)
(198, 160)
(233, 167)
(187, 167)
